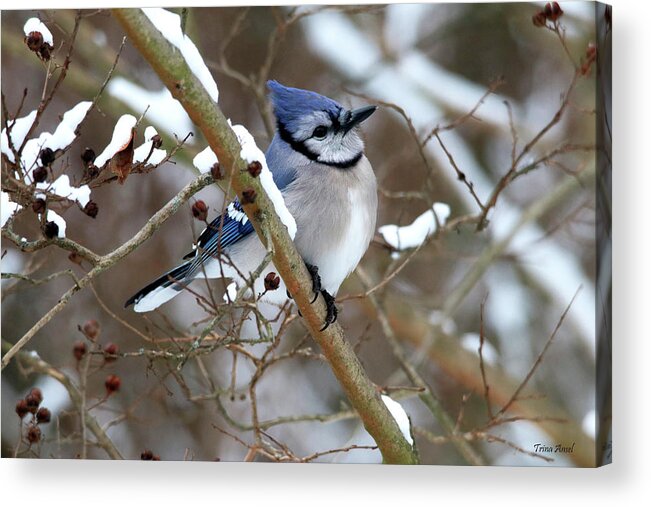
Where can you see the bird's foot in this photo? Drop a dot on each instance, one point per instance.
(316, 280)
(331, 309)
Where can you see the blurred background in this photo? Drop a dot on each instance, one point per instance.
(427, 65)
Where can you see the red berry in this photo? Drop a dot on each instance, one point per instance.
(79, 350)
(39, 175)
(32, 401)
(33, 434)
(216, 171)
(91, 329)
(88, 156)
(557, 12)
(200, 210)
(22, 408)
(50, 230)
(110, 352)
(34, 40)
(91, 209)
(38, 206)
(37, 393)
(539, 19)
(271, 281)
(112, 384)
(75, 258)
(248, 196)
(43, 416)
(46, 156)
(255, 168)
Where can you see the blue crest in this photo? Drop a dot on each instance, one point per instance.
(292, 104)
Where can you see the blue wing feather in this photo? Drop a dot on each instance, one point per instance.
(223, 231)
(226, 230)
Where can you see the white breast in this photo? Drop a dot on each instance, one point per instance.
(335, 212)
(353, 243)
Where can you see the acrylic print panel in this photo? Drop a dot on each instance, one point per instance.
(431, 182)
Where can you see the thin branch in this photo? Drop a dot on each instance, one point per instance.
(481, 359)
(538, 360)
(461, 176)
(109, 260)
(492, 88)
(62, 75)
(509, 175)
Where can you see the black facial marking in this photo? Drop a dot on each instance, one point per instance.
(335, 120)
(301, 148)
(296, 145)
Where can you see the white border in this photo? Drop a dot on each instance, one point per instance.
(623, 483)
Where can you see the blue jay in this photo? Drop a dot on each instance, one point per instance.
(317, 161)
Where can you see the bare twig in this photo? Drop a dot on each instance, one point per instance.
(538, 360)
(109, 260)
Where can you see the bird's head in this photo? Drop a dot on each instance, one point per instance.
(318, 127)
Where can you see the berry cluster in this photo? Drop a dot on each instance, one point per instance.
(551, 12)
(91, 330)
(31, 404)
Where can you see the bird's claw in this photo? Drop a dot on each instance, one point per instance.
(331, 309)
(316, 280)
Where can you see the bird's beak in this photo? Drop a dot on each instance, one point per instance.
(357, 116)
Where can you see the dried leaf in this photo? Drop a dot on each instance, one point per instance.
(122, 161)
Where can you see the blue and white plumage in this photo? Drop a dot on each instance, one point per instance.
(317, 161)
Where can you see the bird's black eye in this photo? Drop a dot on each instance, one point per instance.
(320, 132)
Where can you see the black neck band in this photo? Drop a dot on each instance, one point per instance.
(346, 164)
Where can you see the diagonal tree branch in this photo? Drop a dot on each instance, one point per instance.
(173, 70)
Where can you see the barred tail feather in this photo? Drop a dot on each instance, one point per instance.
(160, 290)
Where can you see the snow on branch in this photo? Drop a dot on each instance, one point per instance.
(38, 38)
(36, 25)
(38, 152)
(169, 24)
(205, 160)
(62, 187)
(63, 136)
(148, 152)
(18, 129)
(122, 134)
(58, 220)
(414, 234)
(251, 154)
(400, 416)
